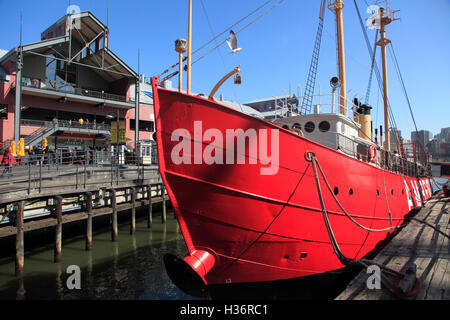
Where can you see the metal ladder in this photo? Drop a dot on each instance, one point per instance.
(306, 105)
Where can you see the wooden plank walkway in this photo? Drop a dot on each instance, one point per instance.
(419, 244)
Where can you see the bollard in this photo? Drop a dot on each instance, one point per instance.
(19, 239)
(133, 210)
(150, 209)
(114, 228)
(58, 229)
(89, 221)
(164, 209)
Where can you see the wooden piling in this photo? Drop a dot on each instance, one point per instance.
(164, 209)
(133, 210)
(89, 221)
(58, 229)
(19, 240)
(114, 227)
(150, 208)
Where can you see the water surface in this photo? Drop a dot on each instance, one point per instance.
(131, 268)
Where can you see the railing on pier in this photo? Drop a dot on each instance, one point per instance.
(70, 169)
(69, 124)
(67, 87)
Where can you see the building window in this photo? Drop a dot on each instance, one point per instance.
(143, 125)
(310, 126)
(146, 151)
(84, 53)
(324, 126)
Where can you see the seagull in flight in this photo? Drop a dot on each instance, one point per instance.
(232, 43)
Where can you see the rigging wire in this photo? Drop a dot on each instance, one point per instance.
(399, 74)
(245, 27)
(377, 71)
(217, 46)
(220, 52)
(208, 42)
(312, 74)
(369, 86)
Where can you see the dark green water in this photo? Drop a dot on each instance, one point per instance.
(131, 268)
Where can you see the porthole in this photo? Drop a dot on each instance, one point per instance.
(297, 126)
(336, 191)
(350, 192)
(310, 126)
(403, 191)
(286, 127)
(392, 191)
(324, 126)
(378, 192)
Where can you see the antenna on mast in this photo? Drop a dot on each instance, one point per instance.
(107, 14)
(379, 19)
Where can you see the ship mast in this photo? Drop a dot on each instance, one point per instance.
(189, 54)
(383, 42)
(337, 6)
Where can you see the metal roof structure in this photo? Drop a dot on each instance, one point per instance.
(72, 44)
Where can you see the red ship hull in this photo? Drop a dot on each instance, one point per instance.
(254, 228)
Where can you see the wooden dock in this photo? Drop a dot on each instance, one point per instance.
(419, 244)
(112, 202)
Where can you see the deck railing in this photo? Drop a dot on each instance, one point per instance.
(76, 169)
(67, 87)
(386, 160)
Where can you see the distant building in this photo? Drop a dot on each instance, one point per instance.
(275, 107)
(394, 134)
(408, 149)
(445, 135)
(434, 147)
(423, 136)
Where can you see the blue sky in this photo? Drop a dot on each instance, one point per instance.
(276, 49)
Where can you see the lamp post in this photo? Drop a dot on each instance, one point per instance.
(180, 47)
(334, 83)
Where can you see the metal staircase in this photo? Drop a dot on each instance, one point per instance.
(47, 128)
(40, 134)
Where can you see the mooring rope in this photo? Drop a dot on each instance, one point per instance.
(344, 211)
(348, 261)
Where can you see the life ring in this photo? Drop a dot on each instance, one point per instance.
(372, 154)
